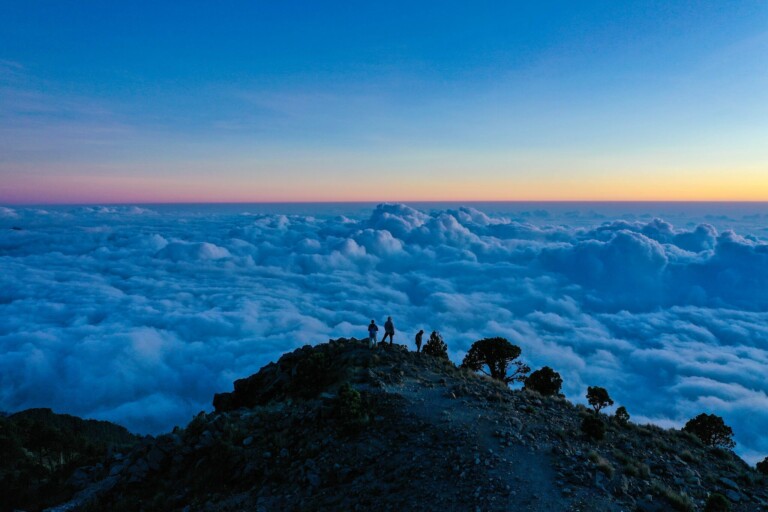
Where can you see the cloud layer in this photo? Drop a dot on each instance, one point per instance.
(138, 315)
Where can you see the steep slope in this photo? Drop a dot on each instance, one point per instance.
(343, 427)
(39, 450)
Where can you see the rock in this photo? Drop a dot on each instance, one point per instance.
(138, 470)
(728, 483)
(313, 479)
(733, 495)
(155, 458)
(79, 479)
(117, 469)
(248, 441)
(646, 505)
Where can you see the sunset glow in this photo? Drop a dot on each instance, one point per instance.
(114, 104)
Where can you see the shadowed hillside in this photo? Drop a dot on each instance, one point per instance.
(343, 427)
(39, 451)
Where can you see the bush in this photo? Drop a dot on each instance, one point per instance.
(312, 373)
(602, 464)
(712, 430)
(598, 398)
(545, 381)
(679, 502)
(436, 346)
(593, 427)
(621, 415)
(717, 503)
(350, 408)
(762, 466)
(496, 354)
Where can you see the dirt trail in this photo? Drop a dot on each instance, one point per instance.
(526, 483)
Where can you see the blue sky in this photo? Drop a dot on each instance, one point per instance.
(304, 101)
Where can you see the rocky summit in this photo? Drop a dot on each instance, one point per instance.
(340, 426)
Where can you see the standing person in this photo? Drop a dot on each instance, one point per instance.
(418, 341)
(389, 330)
(372, 330)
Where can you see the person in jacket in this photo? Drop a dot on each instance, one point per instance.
(418, 340)
(389, 330)
(372, 330)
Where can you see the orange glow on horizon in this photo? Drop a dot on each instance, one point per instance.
(134, 190)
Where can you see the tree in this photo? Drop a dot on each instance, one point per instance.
(598, 398)
(545, 381)
(621, 415)
(711, 429)
(496, 354)
(436, 346)
(762, 466)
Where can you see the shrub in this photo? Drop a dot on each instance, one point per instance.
(621, 416)
(637, 469)
(598, 398)
(350, 408)
(496, 354)
(436, 346)
(593, 427)
(712, 430)
(679, 502)
(687, 456)
(762, 466)
(545, 381)
(312, 374)
(717, 503)
(602, 464)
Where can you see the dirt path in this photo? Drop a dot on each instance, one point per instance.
(517, 477)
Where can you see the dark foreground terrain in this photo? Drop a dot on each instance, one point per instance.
(343, 427)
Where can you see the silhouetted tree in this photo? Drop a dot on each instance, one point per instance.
(593, 427)
(496, 354)
(436, 346)
(621, 415)
(598, 398)
(545, 380)
(711, 429)
(762, 466)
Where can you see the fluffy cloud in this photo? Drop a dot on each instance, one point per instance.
(139, 316)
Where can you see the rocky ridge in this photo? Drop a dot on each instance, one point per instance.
(340, 426)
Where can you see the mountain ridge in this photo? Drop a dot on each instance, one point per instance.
(340, 426)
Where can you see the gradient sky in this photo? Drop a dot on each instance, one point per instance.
(306, 101)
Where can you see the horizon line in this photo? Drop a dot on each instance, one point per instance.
(391, 201)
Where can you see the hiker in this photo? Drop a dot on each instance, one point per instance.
(372, 330)
(418, 340)
(389, 330)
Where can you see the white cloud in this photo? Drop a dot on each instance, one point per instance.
(140, 316)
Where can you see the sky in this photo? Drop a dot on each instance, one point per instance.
(148, 102)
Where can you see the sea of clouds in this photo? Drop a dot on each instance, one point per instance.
(139, 315)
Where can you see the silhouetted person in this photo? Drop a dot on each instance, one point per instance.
(418, 340)
(372, 330)
(389, 330)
